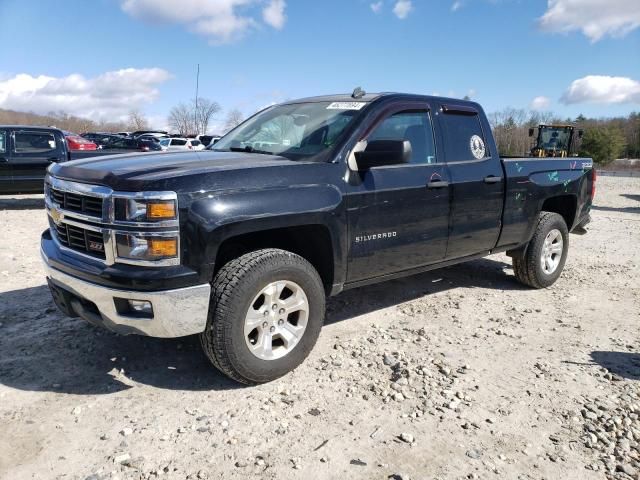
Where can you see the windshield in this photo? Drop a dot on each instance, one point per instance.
(555, 138)
(296, 131)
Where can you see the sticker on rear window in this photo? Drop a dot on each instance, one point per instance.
(346, 105)
(477, 147)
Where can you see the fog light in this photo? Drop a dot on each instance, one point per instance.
(141, 308)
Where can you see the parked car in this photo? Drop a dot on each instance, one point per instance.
(174, 144)
(133, 144)
(76, 142)
(100, 139)
(137, 133)
(305, 199)
(207, 140)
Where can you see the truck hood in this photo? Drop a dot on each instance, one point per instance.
(134, 169)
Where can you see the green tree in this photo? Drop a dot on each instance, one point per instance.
(603, 144)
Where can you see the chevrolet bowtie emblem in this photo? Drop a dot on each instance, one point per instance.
(56, 215)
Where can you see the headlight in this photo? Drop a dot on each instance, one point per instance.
(146, 248)
(140, 210)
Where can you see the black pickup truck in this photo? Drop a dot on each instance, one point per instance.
(242, 244)
(26, 152)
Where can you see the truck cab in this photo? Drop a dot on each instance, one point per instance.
(25, 154)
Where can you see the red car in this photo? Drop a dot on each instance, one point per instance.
(76, 142)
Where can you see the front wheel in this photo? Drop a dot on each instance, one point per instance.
(545, 256)
(266, 313)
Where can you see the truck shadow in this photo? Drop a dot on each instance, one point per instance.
(483, 273)
(623, 364)
(630, 196)
(26, 202)
(41, 350)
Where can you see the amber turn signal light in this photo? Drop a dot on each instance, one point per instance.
(161, 210)
(163, 247)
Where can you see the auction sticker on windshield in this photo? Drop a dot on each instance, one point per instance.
(346, 105)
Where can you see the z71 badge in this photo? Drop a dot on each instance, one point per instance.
(374, 236)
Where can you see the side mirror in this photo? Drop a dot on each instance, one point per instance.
(384, 152)
(531, 131)
(580, 133)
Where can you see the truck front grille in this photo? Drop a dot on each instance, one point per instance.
(79, 239)
(85, 204)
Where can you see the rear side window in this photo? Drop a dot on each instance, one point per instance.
(195, 143)
(412, 125)
(34, 142)
(463, 137)
(3, 142)
(178, 142)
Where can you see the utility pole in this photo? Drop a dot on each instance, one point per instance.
(195, 111)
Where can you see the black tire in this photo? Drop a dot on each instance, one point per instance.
(234, 288)
(527, 267)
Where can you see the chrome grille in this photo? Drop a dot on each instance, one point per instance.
(75, 202)
(80, 239)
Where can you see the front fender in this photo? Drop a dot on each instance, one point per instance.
(215, 217)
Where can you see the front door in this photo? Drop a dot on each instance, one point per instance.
(399, 214)
(32, 152)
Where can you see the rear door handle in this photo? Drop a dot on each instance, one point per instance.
(53, 159)
(437, 184)
(492, 179)
(4, 159)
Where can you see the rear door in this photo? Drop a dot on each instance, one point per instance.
(5, 166)
(399, 214)
(32, 152)
(476, 181)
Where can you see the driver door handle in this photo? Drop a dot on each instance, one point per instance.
(437, 184)
(492, 179)
(4, 159)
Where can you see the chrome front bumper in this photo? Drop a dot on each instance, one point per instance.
(176, 313)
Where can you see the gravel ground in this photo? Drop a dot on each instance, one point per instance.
(458, 373)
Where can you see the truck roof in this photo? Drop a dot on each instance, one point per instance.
(370, 97)
(40, 127)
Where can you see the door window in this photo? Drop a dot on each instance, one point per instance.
(412, 125)
(463, 137)
(178, 142)
(3, 142)
(34, 142)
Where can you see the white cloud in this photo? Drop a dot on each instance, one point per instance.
(402, 8)
(376, 6)
(457, 6)
(273, 14)
(107, 96)
(602, 89)
(221, 21)
(594, 18)
(540, 103)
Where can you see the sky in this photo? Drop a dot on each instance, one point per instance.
(102, 58)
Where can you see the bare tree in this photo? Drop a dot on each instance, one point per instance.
(205, 110)
(193, 118)
(234, 118)
(137, 120)
(181, 119)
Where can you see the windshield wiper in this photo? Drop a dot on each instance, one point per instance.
(250, 149)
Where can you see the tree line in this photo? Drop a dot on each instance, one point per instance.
(604, 140)
(185, 119)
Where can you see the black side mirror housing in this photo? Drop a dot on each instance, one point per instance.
(580, 133)
(531, 130)
(384, 152)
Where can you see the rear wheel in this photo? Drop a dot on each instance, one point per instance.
(545, 255)
(266, 312)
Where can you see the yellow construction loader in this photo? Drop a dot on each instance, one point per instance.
(555, 141)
